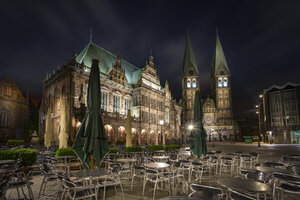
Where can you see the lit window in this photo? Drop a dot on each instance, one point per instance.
(127, 105)
(194, 83)
(220, 82)
(104, 100)
(189, 84)
(116, 103)
(225, 82)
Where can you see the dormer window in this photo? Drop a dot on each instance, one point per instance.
(194, 83)
(189, 83)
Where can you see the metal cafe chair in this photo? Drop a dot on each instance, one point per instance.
(245, 161)
(155, 177)
(258, 176)
(286, 183)
(294, 168)
(216, 191)
(48, 176)
(234, 195)
(112, 180)
(227, 162)
(74, 191)
(138, 172)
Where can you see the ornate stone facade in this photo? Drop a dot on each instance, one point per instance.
(14, 111)
(217, 108)
(123, 86)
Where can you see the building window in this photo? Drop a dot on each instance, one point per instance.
(104, 98)
(116, 103)
(188, 83)
(5, 119)
(220, 82)
(167, 116)
(127, 105)
(225, 82)
(194, 84)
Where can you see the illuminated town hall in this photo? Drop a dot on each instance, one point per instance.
(125, 86)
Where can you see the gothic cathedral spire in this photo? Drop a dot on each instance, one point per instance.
(220, 86)
(190, 81)
(189, 60)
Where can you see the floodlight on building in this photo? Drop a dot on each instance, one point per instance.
(161, 122)
(256, 106)
(260, 96)
(191, 127)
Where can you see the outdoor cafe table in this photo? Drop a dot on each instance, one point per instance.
(245, 185)
(157, 165)
(126, 160)
(270, 170)
(90, 174)
(4, 162)
(160, 157)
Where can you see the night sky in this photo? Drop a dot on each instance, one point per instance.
(261, 39)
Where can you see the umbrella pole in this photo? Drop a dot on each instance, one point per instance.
(92, 162)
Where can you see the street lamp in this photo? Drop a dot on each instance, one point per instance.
(162, 137)
(191, 127)
(258, 133)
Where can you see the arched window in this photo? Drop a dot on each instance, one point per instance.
(167, 115)
(220, 82)
(194, 83)
(56, 101)
(104, 98)
(127, 104)
(225, 82)
(116, 102)
(188, 83)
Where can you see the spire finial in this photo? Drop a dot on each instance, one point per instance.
(91, 35)
(150, 52)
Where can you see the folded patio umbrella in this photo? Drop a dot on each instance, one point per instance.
(91, 138)
(198, 134)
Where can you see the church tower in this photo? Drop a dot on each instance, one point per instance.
(190, 81)
(220, 87)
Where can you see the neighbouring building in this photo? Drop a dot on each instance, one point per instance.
(217, 108)
(123, 87)
(281, 107)
(14, 111)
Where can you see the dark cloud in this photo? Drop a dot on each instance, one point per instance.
(260, 39)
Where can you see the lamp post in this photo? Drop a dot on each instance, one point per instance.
(161, 122)
(213, 137)
(258, 133)
(190, 128)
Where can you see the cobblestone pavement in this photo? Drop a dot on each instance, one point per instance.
(267, 152)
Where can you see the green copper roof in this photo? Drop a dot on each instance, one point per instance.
(189, 58)
(106, 61)
(219, 56)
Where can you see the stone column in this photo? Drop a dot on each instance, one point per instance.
(156, 139)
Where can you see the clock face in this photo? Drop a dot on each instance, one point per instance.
(191, 72)
(209, 119)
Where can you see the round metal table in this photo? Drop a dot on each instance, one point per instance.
(125, 160)
(270, 170)
(245, 185)
(90, 174)
(157, 165)
(4, 162)
(160, 157)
